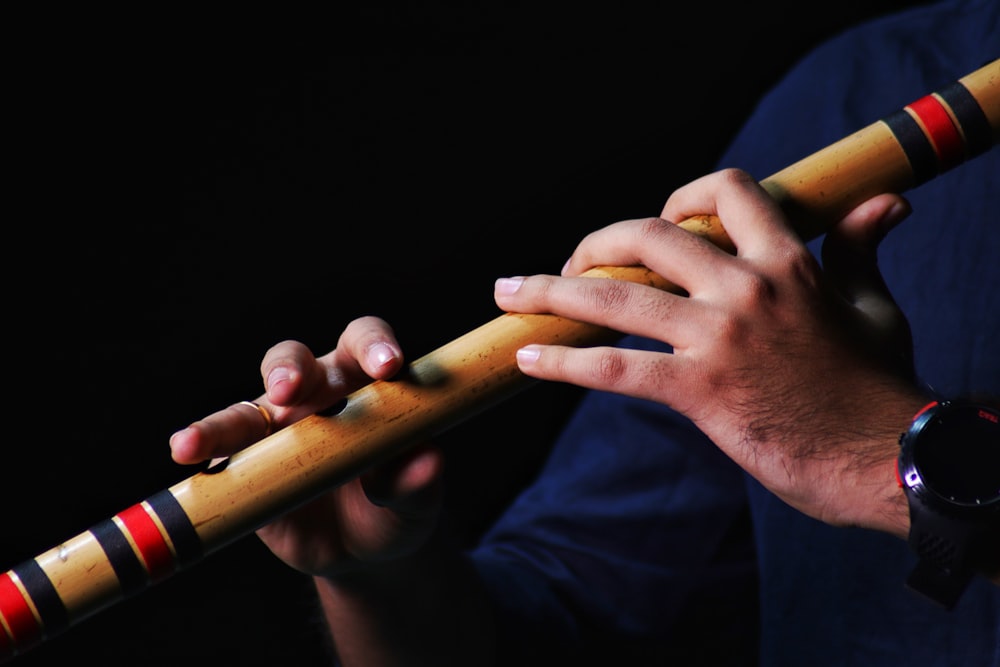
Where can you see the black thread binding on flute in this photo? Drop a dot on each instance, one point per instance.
(187, 545)
(971, 118)
(54, 616)
(131, 573)
(915, 144)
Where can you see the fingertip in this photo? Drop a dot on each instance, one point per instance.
(504, 291)
(423, 469)
(280, 384)
(184, 446)
(528, 356)
(895, 214)
(864, 228)
(382, 359)
(872, 220)
(411, 476)
(507, 286)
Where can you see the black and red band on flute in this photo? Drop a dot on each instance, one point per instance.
(940, 131)
(144, 544)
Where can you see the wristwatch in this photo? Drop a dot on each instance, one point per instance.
(949, 469)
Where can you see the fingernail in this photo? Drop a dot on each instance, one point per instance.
(893, 217)
(177, 443)
(526, 356)
(173, 436)
(278, 375)
(380, 354)
(508, 286)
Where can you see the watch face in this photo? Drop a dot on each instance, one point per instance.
(957, 454)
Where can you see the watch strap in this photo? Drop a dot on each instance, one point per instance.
(942, 546)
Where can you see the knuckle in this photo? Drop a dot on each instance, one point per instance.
(736, 176)
(729, 330)
(609, 296)
(650, 228)
(535, 292)
(756, 290)
(611, 367)
(802, 266)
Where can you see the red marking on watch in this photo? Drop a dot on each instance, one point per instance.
(940, 130)
(924, 409)
(17, 615)
(153, 549)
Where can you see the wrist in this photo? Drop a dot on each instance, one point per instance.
(403, 570)
(867, 493)
(367, 578)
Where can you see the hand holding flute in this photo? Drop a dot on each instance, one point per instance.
(387, 512)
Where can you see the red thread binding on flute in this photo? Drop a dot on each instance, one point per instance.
(149, 541)
(941, 131)
(17, 615)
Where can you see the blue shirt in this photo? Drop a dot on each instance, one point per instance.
(641, 543)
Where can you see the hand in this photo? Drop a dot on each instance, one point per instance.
(386, 513)
(803, 377)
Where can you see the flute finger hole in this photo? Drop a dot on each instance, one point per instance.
(216, 466)
(334, 409)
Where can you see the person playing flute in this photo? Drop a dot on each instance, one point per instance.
(731, 489)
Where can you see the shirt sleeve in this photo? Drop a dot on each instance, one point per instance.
(637, 528)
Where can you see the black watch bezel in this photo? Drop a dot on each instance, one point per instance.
(949, 469)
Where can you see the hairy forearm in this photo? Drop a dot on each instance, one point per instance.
(428, 609)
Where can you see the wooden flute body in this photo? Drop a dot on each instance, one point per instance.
(177, 527)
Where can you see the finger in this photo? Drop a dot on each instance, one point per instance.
(366, 350)
(687, 260)
(233, 428)
(291, 373)
(850, 259)
(297, 384)
(849, 250)
(408, 482)
(222, 433)
(623, 306)
(637, 373)
(752, 218)
(613, 245)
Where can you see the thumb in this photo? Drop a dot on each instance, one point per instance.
(850, 261)
(411, 482)
(850, 253)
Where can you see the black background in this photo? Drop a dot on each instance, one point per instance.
(184, 196)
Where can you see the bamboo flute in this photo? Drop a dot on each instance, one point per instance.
(178, 526)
